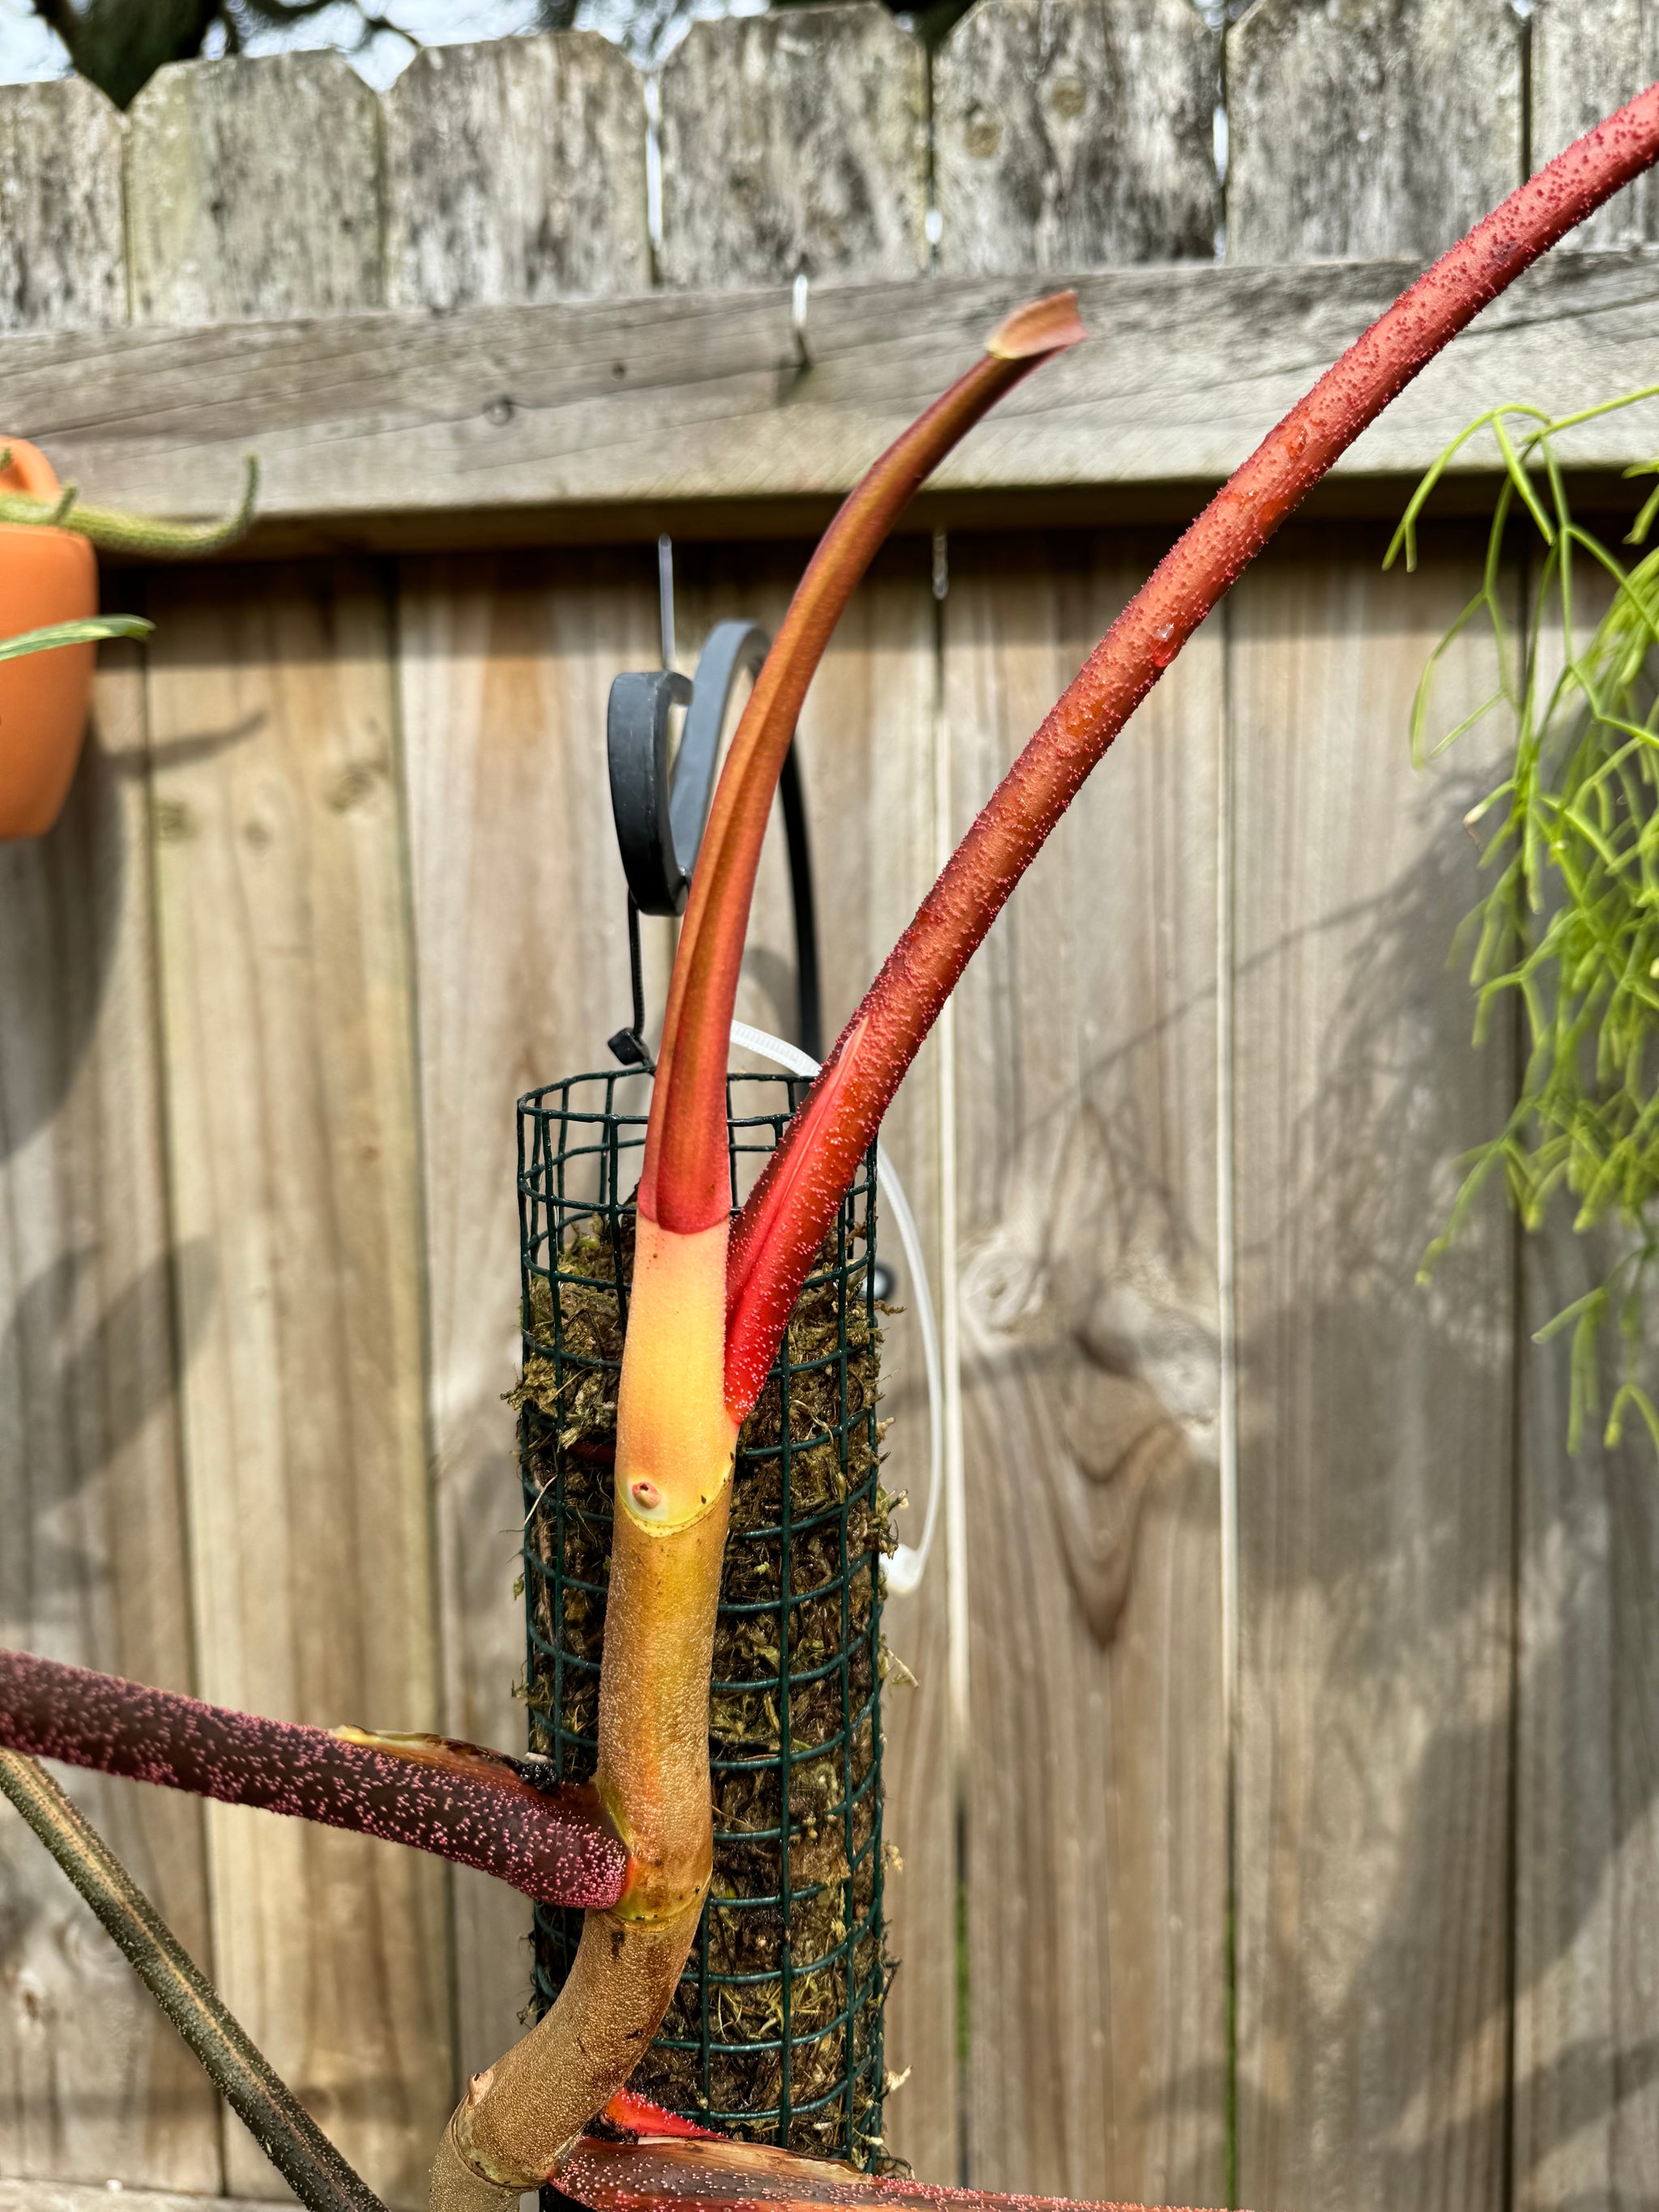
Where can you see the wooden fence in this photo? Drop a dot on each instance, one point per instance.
(1270, 1577)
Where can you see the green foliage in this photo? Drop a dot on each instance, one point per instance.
(114, 531)
(90, 632)
(1568, 930)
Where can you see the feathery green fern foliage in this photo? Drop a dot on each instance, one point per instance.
(1569, 927)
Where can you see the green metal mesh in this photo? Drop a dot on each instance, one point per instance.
(792, 1937)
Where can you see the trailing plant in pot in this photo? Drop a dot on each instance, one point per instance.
(712, 1296)
(49, 594)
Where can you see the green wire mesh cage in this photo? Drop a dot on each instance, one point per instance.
(775, 2034)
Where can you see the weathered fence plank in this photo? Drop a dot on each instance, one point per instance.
(1586, 2093)
(515, 170)
(93, 1562)
(1586, 2101)
(1369, 126)
(794, 144)
(1376, 1448)
(63, 244)
(1587, 57)
(521, 967)
(253, 190)
(504, 673)
(291, 1115)
(92, 1567)
(1069, 132)
(1374, 1431)
(1086, 1102)
(825, 174)
(867, 737)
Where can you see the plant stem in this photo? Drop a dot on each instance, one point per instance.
(464, 1803)
(787, 1214)
(283, 2129)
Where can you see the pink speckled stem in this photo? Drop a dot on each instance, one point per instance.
(794, 1203)
(473, 1807)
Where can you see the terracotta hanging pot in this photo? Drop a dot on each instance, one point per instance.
(46, 575)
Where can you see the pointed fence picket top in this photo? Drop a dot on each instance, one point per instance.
(337, 885)
(516, 170)
(1066, 136)
(794, 144)
(1361, 130)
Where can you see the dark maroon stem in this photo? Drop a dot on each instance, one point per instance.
(474, 1807)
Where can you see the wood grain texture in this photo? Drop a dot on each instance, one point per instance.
(1071, 132)
(1375, 1452)
(89, 2196)
(291, 1115)
(93, 2083)
(867, 740)
(63, 248)
(515, 170)
(1587, 57)
(1586, 2095)
(1586, 2099)
(1375, 1419)
(253, 189)
(1369, 126)
(504, 671)
(521, 967)
(793, 143)
(1192, 365)
(1085, 1105)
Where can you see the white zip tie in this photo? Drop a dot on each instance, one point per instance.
(909, 1563)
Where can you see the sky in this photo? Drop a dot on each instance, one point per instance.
(29, 51)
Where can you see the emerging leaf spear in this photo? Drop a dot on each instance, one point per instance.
(710, 1302)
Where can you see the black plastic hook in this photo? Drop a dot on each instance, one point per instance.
(660, 820)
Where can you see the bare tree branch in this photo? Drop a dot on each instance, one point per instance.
(283, 2129)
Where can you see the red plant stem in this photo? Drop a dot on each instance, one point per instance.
(471, 1806)
(684, 1184)
(659, 2173)
(794, 1202)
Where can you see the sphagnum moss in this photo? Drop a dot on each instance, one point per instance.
(756, 1922)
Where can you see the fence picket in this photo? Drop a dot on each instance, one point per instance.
(1587, 57)
(1374, 1454)
(1072, 133)
(515, 170)
(1362, 128)
(516, 892)
(92, 1566)
(62, 245)
(1085, 1090)
(290, 1110)
(793, 143)
(253, 189)
(866, 745)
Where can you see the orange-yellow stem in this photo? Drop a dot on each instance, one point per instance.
(675, 1445)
